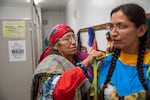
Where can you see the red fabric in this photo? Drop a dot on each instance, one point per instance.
(94, 45)
(66, 85)
(57, 32)
(45, 53)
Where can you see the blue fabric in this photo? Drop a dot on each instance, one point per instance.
(125, 77)
(91, 36)
(49, 85)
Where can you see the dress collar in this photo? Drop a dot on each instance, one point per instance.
(131, 59)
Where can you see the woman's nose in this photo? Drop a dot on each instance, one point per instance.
(73, 41)
(113, 33)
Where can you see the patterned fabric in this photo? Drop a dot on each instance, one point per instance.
(54, 64)
(83, 91)
(111, 94)
(124, 81)
(46, 76)
(57, 32)
(49, 85)
(48, 80)
(81, 56)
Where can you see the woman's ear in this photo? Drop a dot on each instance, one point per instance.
(142, 29)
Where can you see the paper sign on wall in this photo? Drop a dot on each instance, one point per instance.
(17, 50)
(13, 29)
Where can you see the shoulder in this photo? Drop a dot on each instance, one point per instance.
(108, 58)
(54, 63)
(106, 62)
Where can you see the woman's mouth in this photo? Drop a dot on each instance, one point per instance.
(116, 41)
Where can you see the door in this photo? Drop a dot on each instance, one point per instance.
(15, 73)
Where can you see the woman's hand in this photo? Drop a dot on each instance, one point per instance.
(94, 54)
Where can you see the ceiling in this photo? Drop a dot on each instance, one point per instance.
(44, 4)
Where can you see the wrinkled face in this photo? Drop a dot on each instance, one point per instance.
(66, 45)
(123, 32)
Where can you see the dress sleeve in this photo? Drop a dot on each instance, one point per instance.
(68, 82)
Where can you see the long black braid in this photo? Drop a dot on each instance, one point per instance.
(141, 52)
(112, 65)
(110, 72)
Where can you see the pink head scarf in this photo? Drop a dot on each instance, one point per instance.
(57, 32)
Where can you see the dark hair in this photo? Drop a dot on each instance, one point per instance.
(135, 14)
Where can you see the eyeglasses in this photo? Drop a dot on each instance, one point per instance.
(68, 38)
(117, 27)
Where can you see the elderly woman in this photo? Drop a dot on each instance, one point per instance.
(66, 73)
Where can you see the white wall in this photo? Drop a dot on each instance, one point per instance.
(86, 13)
(53, 18)
(15, 13)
